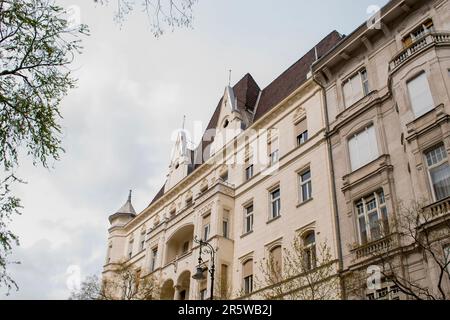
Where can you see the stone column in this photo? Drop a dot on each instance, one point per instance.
(177, 289)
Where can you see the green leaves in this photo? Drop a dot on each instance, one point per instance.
(36, 49)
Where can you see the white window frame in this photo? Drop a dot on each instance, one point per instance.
(130, 248)
(423, 110)
(249, 218)
(274, 157)
(363, 90)
(302, 138)
(356, 139)
(206, 232)
(273, 200)
(380, 202)
(310, 252)
(436, 165)
(305, 184)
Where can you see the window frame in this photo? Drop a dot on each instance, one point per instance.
(130, 248)
(249, 172)
(226, 228)
(444, 161)
(358, 135)
(383, 222)
(309, 250)
(364, 86)
(249, 218)
(272, 201)
(305, 183)
(206, 231)
(417, 115)
(154, 256)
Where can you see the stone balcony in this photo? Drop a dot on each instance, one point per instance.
(431, 39)
(219, 186)
(374, 248)
(437, 210)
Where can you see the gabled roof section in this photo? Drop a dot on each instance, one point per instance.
(295, 76)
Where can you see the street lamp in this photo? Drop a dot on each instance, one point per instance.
(199, 275)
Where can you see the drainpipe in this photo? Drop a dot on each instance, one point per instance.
(333, 184)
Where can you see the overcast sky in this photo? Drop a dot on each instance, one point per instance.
(133, 91)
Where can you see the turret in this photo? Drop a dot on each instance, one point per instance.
(124, 215)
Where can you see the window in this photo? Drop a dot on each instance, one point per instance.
(130, 249)
(225, 228)
(363, 148)
(206, 227)
(185, 248)
(439, 172)
(248, 219)
(275, 203)
(224, 281)
(309, 243)
(224, 176)
(206, 232)
(417, 33)
(447, 257)
(189, 201)
(108, 255)
(153, 259)
(356, 87)
(276, 263)
(173, 211)
(142, 243)
(420, 95)
(305, 186)
(372, 217)
(247, 272)
(301, 131)
(249, 172)
(203, 294)
(274, 157)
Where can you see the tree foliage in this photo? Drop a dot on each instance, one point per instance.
(162, 14)
(123, 283)
(37, 45)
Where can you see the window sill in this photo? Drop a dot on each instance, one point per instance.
(301, 204)
(273, 219)
(246, 234)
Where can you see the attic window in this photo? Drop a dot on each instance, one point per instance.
(226, 123)
(417, 33)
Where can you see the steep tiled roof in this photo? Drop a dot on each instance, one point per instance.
(294, 76)
(247, 92)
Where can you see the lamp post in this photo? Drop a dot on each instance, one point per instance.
(206, 248)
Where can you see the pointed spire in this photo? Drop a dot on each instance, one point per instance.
(127, 208)
(129, 196)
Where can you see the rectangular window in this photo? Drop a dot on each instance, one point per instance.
(130, 249)
(188, 201)
(248, 284)
(420, 95)
(363, 148)
(275, 203)
(225, 228)
(305, 186)
(248, 219)
(224, 176)
(153, 259)
(249, 172)
(439, 172)
(274, 157)
(356, 88)
(447, 258)
(206, 232)
(372, 218)
(185, 248)
(142, 244)
(203, 294)
(301, 131)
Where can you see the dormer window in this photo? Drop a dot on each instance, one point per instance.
(226, 123)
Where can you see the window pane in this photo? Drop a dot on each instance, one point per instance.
(420, 95)
(440, 178)
(363, 148)
(362, 229)
(375, 228)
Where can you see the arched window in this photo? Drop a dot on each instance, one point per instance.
(309, 255)
(275, 257)
(247, 275)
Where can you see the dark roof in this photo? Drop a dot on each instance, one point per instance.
(247, 92)
(294, 76)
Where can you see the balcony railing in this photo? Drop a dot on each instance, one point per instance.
(374, 248)
(437, 209)
(428, 40)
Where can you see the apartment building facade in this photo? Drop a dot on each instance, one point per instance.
(387, 91)
(323, 154)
